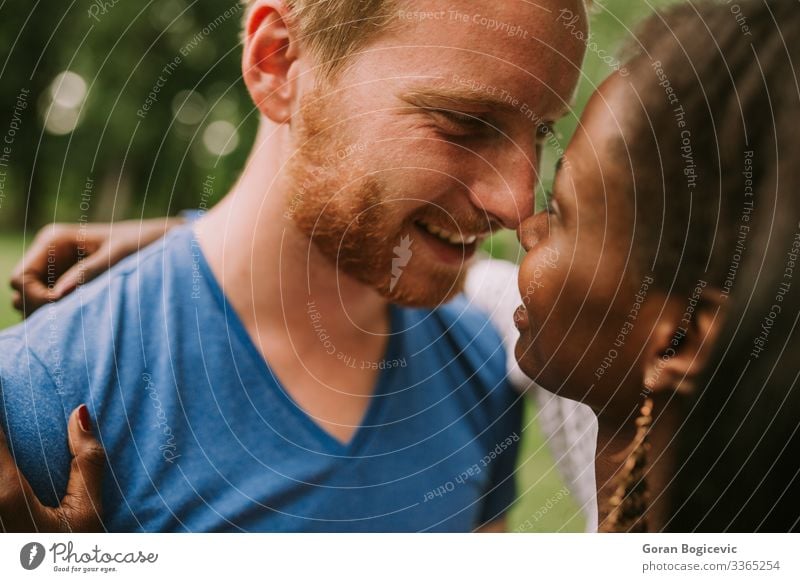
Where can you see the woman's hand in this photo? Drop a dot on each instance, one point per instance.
(63, 256)
(81, 507)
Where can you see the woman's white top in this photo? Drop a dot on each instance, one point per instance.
(569, 427)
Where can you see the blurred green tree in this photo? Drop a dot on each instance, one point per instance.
(131, 108)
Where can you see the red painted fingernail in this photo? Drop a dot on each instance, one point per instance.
(83, 419)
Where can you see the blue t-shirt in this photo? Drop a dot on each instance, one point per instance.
(200, 436)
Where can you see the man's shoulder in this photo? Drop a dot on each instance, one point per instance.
(478, 351)
(144, 272)
(32, 416)
(100, 305)
(470, 321)
(483, 313)
(71, 351)
(18, 363)
(87, 339)
(461, 332)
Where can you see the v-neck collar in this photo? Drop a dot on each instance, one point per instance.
(330, 444)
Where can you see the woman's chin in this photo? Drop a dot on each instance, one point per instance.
(526, 358)
(545, 376)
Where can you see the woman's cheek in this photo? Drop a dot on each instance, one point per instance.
(541, 276)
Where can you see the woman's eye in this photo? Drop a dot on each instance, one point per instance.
(552, 207)
(459, 124)
(549, 204)
(544, 200)
(543, 132)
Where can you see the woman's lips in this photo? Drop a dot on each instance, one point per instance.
(521, 318)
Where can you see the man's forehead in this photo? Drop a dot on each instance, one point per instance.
(491, 24)
(511, 46)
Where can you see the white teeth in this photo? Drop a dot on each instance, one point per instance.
(451, 237)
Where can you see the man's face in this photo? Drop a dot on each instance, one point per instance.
(428, 141)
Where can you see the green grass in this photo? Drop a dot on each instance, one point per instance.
(10, 250)
(544, 504)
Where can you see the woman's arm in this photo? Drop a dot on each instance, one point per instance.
(63, 256)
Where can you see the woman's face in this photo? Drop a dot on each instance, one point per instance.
(583, 322)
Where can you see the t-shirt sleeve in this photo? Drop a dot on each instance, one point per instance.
(502, 452)
(33, 419)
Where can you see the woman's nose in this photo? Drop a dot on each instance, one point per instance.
(533, 230)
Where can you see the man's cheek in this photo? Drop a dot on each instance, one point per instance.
(432, 158)
(429, 171)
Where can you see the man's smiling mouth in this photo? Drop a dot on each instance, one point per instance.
(452, 248)
(454, 238)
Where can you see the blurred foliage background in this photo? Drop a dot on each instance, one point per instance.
(142, 99)
(119, 109)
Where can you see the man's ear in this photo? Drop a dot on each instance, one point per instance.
(682, 340)
(269, 54)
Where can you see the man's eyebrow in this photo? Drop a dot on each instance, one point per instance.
(445, 97)
(559, 163)
(457, 97)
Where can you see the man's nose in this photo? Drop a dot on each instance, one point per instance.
(506, 186)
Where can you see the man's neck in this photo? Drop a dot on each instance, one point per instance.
(270, 271)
